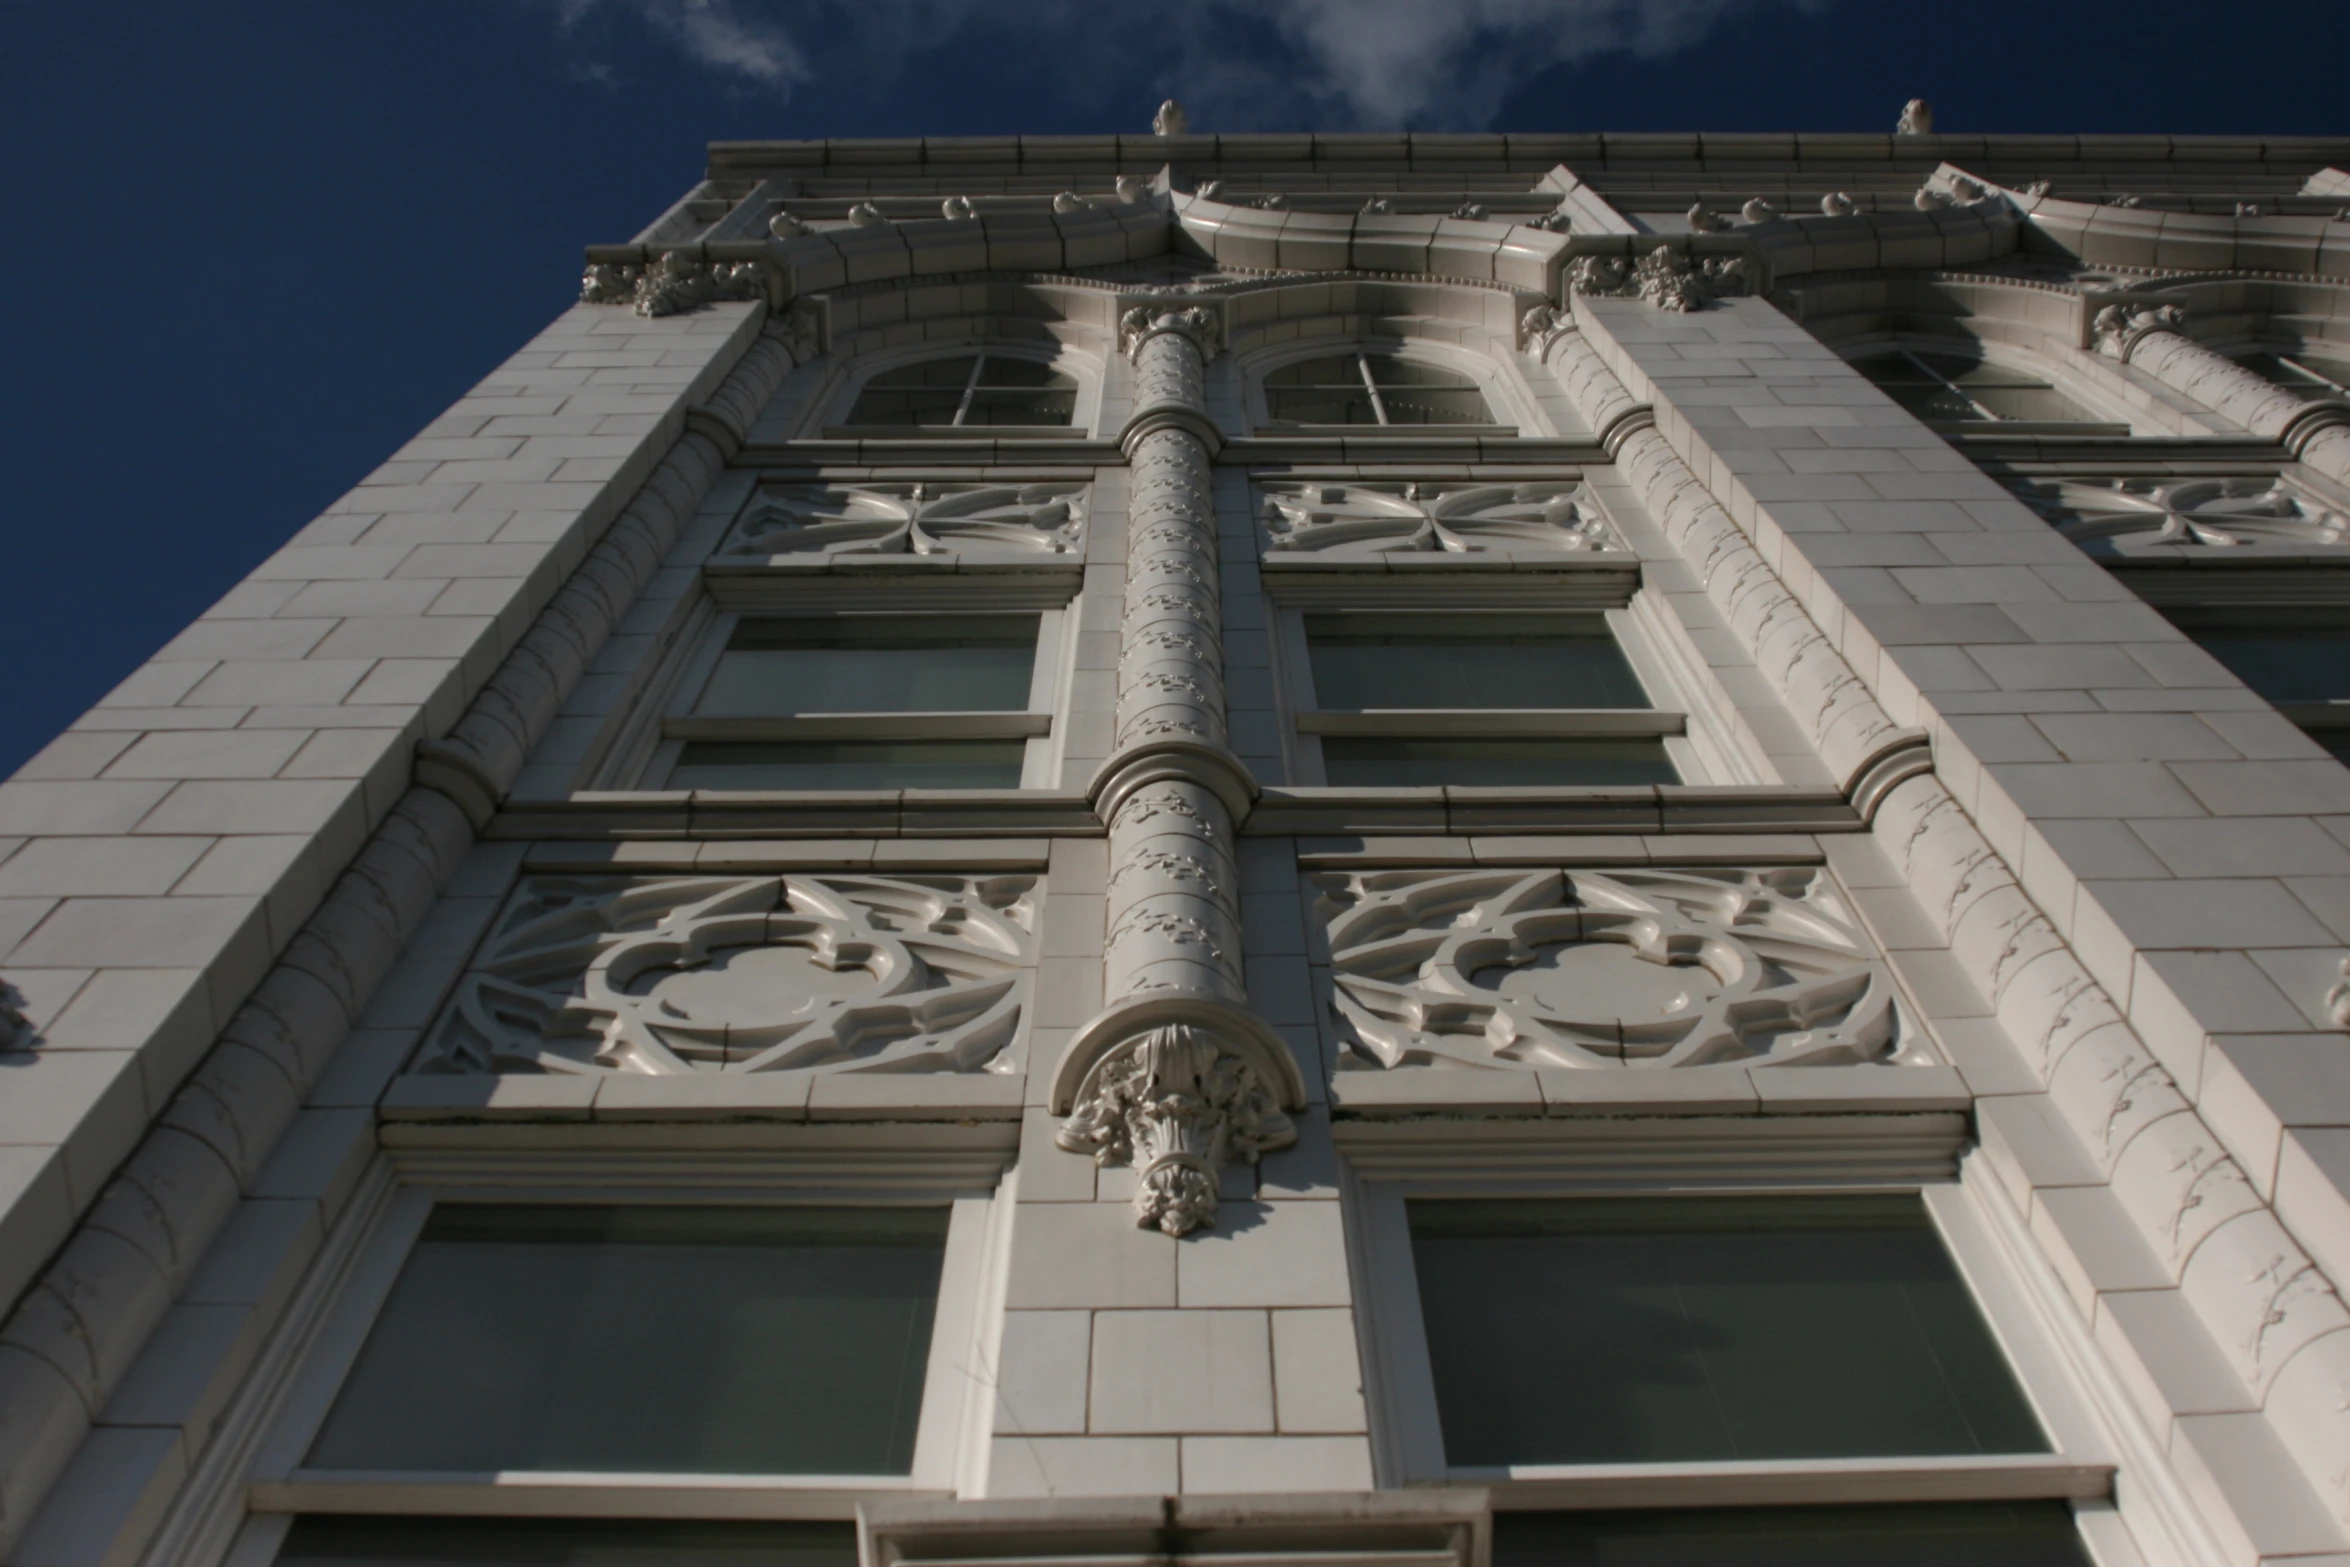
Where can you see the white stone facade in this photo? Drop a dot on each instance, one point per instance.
(391, 885)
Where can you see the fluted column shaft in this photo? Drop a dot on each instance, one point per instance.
(2155, 341)
(1174, 918)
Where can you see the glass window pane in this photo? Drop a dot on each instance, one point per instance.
(1893, 370)
(873, 664)
(922, 410)
(1321, 405)
(648, 1339)
(1002, 371)
(1474, 661)
(1017, 407)
(1965, 1534)
(1637, 1330)
(1380, 762)
(1388, 370)
(1336, 370)
(563, 1542)
(2287, 655)
(954, 373)
(848, 764)
(1416, 405)
(2027, 402)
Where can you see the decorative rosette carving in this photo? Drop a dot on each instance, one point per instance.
(1358, 520)
(746, 974)
(1548, 968)
(2132, 514)
(928, 518)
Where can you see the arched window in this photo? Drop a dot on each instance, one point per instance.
(1361, 388)
(1944, 387)
(966, 391)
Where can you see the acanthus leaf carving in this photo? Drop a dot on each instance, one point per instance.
(1663, 277)
(1644, 969)
(2119, 329)
(746, 974)
(1141, 323)
(1179, 1105)
(922, 518)
(1373, 519)
(672, 285)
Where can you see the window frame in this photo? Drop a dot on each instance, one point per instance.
(643, 759)
(1407, 1437)
(950, 1436)
(2098, 418)
(1513, 409)
(1306, 722)
(1084, 414)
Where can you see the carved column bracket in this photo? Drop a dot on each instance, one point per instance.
(1179, 1087)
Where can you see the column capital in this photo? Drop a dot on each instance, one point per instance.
(1200, 323)
(2119, 329)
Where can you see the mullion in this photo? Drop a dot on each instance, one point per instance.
(1950, 386)
(970, 385)
(2314, 375)
(1378, 403)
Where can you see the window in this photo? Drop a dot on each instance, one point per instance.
(2297, 656)
(1966, 1534)
(647, 1339)
(1415, 697)
(967, 391)
(1373, 389)
(328, 1541)
(861, 702)
(1954, 388)
(1705, 1329)
(2317, 375)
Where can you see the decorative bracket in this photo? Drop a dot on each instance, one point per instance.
(1178, 1087)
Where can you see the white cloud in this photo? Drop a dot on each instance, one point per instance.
(1239, 64)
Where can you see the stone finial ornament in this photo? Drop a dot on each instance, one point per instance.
(1917, 119)
(1069, 201)
(784, 226)
(1758, 210)
(1170, 120)
(957, 209)
(1702, 221)
(672, 285)
(1836, 204)
(865, 215)
(1132, 190)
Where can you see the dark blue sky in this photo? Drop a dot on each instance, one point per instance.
(254, 244)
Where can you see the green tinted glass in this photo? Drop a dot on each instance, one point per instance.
(564, 1542)
(1468, 661)
(1969, 1534)
(2287, 653)
(1381, 762)
(848, 764)
(873, 664)
(650, 1339)
(1660, 1330)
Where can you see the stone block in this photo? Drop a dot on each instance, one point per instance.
(1288, 1253)
(1171, 1372)
(1069, 1255)
(1238, 1465)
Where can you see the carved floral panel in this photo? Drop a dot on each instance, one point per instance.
(747, 974)
(1353, 521)
(1630, 968)
(2122, 516)
(918, 518)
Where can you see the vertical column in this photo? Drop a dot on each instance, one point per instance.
(1175, 1076)
(2155, 340)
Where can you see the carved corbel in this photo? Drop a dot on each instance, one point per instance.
(1179, 1088)
(2119, 329)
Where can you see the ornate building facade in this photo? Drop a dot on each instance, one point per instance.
(1407, 849)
